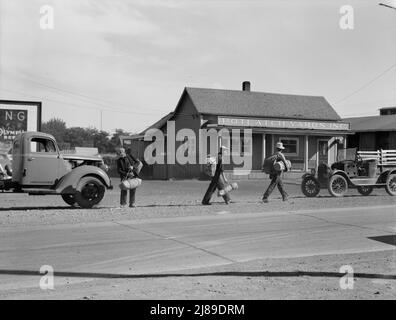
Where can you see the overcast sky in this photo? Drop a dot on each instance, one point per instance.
(133, 58)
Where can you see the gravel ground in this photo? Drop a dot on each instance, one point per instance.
(172, 198)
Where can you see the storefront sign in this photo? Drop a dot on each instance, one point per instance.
(282, 124)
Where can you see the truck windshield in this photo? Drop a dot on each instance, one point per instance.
(346, 154)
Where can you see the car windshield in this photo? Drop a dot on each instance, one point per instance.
(346, 154)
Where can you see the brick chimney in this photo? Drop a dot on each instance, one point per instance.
(245, 86)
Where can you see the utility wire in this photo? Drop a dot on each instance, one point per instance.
(63, 91)
(366, 84)
(79, 106)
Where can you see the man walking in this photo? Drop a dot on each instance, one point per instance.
(125, 170)
(218, 181)
(276, 176)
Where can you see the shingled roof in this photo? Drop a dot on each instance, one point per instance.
(373, 123)
(261, 104)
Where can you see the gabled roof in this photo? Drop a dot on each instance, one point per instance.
(160, 123)
(261, 104)
(373, 123)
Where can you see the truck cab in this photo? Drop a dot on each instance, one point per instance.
(37, 161)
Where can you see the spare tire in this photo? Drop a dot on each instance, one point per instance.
(89, 192)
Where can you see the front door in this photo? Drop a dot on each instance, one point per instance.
(41, 162)
(323, 152)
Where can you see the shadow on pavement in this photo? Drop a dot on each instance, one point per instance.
(203, 274)
(38, 208)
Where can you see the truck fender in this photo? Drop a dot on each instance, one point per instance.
(384, 175)
(307, 175)
(69, 182)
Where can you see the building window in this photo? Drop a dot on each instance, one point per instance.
(291, 146)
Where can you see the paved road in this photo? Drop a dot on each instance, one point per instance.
(174, 244)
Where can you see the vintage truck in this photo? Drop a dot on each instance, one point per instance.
(39, 168)
(363, 170)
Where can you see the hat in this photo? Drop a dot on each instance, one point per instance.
(120, 150)
(279, 145)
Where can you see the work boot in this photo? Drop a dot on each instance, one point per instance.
(265, 200)
(132, 205)
(285, 198)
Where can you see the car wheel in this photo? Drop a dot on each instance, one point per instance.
(338, 186)
(390, 186)
(90, 191)
(70, 199)
(365, 191)
(310, 187)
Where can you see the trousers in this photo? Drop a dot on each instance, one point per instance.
(215, 184)
(276, 181)
(124, 195)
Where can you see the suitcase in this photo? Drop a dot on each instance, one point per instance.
(280, 166)
(130, 184)
(228, 188)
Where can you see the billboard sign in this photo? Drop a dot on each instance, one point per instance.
(17, 117)
(12, 122)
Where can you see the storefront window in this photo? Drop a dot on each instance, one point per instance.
(291, 145)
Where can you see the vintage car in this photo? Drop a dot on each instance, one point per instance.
(363, 170)
(39, 168)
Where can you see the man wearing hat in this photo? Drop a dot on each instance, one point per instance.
(218, 180)
(125, 170)
(276, 176)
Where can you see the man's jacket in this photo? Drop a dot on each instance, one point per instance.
(123, 167)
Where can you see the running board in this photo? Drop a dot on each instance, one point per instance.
(38, 192)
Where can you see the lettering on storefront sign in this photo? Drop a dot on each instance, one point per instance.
(12, 122)
(282, 124)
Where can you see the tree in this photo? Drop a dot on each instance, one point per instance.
(79, 137)
(69, 138)
(115, 139)
(101, 140)
(55, 127)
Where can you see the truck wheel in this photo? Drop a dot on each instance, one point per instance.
(90, 191)
(310, 187)
(390, 186)
(338, 186)
(365, 191)
(70, 199)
